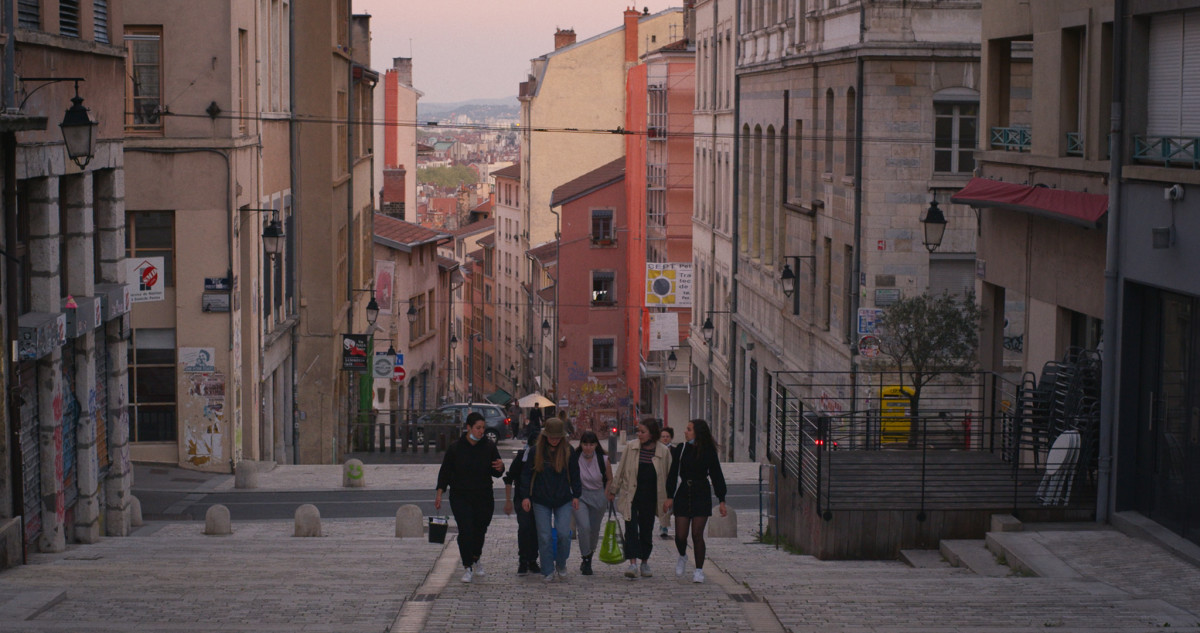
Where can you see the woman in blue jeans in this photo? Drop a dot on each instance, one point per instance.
(552, 488)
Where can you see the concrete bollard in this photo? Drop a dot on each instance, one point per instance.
(410, 523)
(308, 521)
(245, 474)
(135, 512)
(352, 474)
(723, 526)
(216, 521)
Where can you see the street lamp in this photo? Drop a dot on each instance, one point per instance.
(372, 310)
(79, 131)
(707, 329)
(411, 314)
(672, 361)
(935, 226)
(789, 280)
(545, 328)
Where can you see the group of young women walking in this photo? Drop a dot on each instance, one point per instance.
(555, 483)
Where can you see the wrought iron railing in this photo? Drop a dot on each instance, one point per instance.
(1016, 138)
(1170, 151)
(403, 431)
(1074, 144)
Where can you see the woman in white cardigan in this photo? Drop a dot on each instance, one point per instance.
(640, 487)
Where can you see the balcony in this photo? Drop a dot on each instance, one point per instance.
(1012, 139)
(1168, 151)
(1074, 144)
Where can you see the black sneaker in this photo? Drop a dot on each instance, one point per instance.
(534, 567)
(585, 568)
(522, 569)
(663, 535)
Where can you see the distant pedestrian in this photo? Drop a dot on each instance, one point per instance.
(467, 470)
(527, 545)
(553, 489)
(695, 465)
(640, 486)
(666, 437)
(594, 473)
(533, 427)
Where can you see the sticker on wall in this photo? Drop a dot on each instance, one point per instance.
(198, 359)
(146, 276)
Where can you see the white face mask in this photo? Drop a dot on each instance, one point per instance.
(473, 438)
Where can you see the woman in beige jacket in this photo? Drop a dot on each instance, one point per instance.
(640, 487)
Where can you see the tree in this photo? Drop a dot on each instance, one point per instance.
(448, 178)
(927, 336)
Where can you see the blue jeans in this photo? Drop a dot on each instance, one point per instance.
(561, 517)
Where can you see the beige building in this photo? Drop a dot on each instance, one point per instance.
(853, 117)
(207, 155)
(65, 471)
(512, 340)
(333, 197)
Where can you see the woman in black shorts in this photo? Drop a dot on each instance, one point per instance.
(695, 463)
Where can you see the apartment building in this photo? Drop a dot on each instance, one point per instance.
(852, 118)
(395, 135)
(511, 332)
(65, 470)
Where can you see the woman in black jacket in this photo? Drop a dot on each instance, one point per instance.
(553, 488)
(695, 463)
(468, 469)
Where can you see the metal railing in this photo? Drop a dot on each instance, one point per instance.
(1074, 144)
(1015, 138)
(1170, 151)
(403, 431)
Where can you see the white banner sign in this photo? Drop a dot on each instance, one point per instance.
(669, 285)
(146, 278)
(664, 330)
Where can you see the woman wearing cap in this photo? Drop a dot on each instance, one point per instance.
(641, 485)
(467, 469)
(552, 487)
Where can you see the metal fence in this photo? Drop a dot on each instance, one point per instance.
(403, 431)
(852, 442)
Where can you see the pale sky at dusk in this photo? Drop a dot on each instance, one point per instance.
(480, 49)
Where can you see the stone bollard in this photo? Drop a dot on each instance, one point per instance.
(245, 474)
(308, 521)
(410, 523)
(216, 521)
(352, 474)
(723, 526)
(135, 512)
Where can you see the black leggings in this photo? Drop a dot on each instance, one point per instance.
(681, 531)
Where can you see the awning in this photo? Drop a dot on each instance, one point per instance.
(501, 397)
(1084, 209)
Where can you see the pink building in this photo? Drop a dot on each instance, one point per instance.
(592, 323)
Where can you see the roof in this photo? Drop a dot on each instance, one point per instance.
(598, 178)
(487, 240)
(474, 227)
(1076, 207)
(404, 236)
(512, 171)
(678, 45)
(547, 252)
(483, 207)
(547, 294)
(447, 263)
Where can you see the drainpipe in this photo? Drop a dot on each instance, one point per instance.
(712, 241)
(294, 177)
(1105, 500)
(12, 277)
(856, 279)
(354, 385)
(733, 248)
(557, 310)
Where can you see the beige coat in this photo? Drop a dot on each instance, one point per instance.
(624, 483)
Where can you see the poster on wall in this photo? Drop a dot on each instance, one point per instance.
(664, 331)
(354, 351)
(669, 285)
(198, 359)
(385, 272)
(146, 279)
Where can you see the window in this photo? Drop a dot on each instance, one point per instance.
(152, 385)
(851, 132)
(797, 159)
(244, 73)
(603, 291)
(143, 70)
(100, 21)
(416, 329)
(950, 273)
(1174, 77)
(29, 14)
(602, 226)
(68, 18)
(152, 234)
(829, 132)
(954, 137)
(604, 354)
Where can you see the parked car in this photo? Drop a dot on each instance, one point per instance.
(499, 425)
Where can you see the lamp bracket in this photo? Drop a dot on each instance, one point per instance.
(46, 81)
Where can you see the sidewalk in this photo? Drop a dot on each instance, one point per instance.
(169, 577)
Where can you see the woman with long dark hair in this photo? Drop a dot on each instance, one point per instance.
(553, 489)
(594, 473)
(695, 464)
(641, 485)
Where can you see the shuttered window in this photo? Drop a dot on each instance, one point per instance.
(952, 275)
(29, 14)
(100, 18)
(1174, 75)
(68, 18)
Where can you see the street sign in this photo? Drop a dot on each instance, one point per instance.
(381, 367)
(868, 346)
(398, 374)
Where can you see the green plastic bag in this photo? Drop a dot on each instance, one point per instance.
(611, 550)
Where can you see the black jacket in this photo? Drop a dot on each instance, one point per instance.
(468, 468)
(549, 487)
(689, 464)
(513, 476)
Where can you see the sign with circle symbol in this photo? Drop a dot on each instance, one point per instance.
(382, 366)
(669, 284)
(868, 346)
(398, 374)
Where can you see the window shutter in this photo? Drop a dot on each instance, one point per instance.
(1165, 81)
(1189, 112)
(953, 276)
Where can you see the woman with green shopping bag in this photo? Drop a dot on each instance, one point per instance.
(594, 473)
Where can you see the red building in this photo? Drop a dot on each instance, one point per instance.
(591, 310)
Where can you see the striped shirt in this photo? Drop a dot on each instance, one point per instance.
(646, 456)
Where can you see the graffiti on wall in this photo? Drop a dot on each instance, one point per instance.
(596, 405)
(204, 417)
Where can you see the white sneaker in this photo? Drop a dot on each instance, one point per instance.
(698, 575)
(468, 575)
(680, 565)
(478, 567)
(548, 577)
(632, 572)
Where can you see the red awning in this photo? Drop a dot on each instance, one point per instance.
(1084, 209)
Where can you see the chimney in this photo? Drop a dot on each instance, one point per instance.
(563, 37)
(403, 67)
(631, 35)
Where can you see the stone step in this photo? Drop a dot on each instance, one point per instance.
(1026, 555)
(923, 558)
(974, 555)
(26, 605)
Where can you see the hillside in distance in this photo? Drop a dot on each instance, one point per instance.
(475, 109)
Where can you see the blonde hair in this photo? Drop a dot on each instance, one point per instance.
(560, 454)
